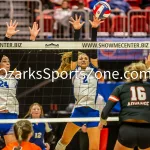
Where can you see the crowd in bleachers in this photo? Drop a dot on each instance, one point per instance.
(128, 17)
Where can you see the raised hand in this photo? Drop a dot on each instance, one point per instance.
(76, 22)
(11, 29)
(34, 31)
(96, 22)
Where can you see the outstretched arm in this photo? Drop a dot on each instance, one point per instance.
(11, 30)
(112, 100)
(77, 26)
(93, 54)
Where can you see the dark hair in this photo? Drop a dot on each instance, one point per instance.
(22, 129)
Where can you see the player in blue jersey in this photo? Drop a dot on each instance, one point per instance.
(36, 111)
(9, 107)
(85, 90)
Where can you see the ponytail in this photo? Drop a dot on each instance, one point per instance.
(66, 61)
(22, 129)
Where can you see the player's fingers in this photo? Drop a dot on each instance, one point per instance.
(90, 22)
(38, 30)
(10, 22)
(17, 31)
(16, 25)
(79, 18)
(71, 22)
(29, 29)
(37, 26)
(145, 59)
(94, 17)
(82, 24)
(7, 24)
(34, 25)
(76, 17)
(72, 19)
(101, 21)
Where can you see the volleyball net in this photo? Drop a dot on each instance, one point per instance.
(39, 61)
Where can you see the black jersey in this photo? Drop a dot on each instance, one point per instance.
(134, 98)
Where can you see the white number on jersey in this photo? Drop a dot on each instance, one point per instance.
(3, 84)
(38, 135)
(138, 93)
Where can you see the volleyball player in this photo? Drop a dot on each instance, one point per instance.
(85, 90)
(36, 111)
(23, 132)
(134, 97)
(9, 107)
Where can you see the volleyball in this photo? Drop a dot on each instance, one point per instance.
(101, 10)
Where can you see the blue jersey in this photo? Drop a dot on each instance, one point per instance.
(39, 131)
(8, 99)
(85, 86)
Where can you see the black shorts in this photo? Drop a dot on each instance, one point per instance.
(134, 134)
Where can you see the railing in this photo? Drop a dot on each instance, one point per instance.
(135, 24)
(23, 12)
(57, 28)
(139, 23)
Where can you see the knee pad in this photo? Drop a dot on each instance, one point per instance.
(60, 146)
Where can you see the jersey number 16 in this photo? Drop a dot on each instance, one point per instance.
(138, 93)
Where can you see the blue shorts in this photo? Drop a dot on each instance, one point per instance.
(7, 128)
(84, 112)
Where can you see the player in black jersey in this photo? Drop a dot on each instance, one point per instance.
(134, 97)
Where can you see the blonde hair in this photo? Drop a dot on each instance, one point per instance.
(22, 129)
(29, 111)
(66, 61)
(136, 71)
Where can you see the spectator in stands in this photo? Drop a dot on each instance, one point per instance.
(81, 6)
(93, 2)
(61, 16)
(145, 3)
(57, 2)
(119, 7)
(47, 4)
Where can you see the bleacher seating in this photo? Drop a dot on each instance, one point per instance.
(139, 25)
(119, 26)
